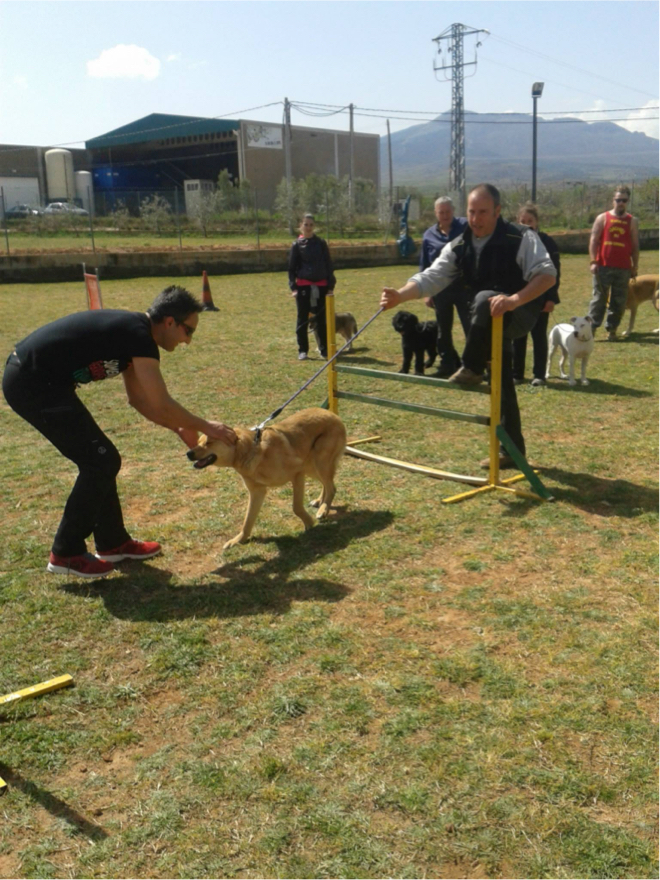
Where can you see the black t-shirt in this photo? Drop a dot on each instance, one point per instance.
(87, 346)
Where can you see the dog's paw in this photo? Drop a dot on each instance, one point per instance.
(239, 539)
(315, 502)
(584, 381)
(570, 381)
(322, 511)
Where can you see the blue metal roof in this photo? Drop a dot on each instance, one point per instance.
(159, 126)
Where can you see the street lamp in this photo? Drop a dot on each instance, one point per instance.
(537, 91)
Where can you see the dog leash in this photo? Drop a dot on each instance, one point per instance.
(273, 415)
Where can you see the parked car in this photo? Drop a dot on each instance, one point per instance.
(19, 212)
(65, 208)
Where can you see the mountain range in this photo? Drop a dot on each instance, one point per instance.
(498, 148)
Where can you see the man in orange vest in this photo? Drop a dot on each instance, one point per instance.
(614, 255)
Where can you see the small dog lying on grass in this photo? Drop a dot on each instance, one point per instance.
(307, 444)
(345, 325)
(417, 337)
(575, 340)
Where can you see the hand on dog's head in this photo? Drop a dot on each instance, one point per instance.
(404, 321)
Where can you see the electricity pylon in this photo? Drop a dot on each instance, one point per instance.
(454, 34)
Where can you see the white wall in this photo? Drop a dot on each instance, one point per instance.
(20, 191)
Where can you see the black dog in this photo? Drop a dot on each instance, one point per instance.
(417, 337)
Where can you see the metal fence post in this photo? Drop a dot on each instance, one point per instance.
(91, 225)
(176, 213)
(327, 217)
(4, 217)
(256, 218)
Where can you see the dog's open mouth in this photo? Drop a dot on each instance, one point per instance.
(206, 461)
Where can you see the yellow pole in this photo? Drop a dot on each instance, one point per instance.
(332, 349)
(495, 400)
(45, 687)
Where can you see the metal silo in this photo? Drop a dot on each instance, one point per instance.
(59, 176)
(85, 190)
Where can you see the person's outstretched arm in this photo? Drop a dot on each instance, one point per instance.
(148, 394)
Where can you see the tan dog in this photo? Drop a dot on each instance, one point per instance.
(307, 444)
(640, 289)
(345, 325)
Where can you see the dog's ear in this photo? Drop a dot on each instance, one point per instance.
(590, 319)
(573, 320)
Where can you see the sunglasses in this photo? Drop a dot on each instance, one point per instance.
(625, 201)
(187, 329)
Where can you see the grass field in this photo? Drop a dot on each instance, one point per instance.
(408, 690)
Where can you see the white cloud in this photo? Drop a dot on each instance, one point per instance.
(633, 120)
(176, 56)
(124, 62)
(639, 120)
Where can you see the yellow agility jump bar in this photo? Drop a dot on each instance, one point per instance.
(496, 432)
(45, 687)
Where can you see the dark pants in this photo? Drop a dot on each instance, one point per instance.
(539, 334)
(93, 505)
(477, 353)
(305, 308)
(444, 302)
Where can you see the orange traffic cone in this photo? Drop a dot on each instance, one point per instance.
(207, 299)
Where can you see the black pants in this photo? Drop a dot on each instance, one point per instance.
(57, 412)
(539, 334)
(477, 353)
(444, 302)
(305, 308)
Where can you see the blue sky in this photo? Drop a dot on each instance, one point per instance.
(70, 71)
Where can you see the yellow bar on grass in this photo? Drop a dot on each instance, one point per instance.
(45, 687)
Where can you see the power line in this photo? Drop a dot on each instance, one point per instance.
(299, 104)
(192, 121)
(570, 66)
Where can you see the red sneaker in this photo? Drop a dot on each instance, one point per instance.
(130, 550)
(85, 566)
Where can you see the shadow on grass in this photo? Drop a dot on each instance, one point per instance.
(249, 584)
(643, 337)
(597, 386)
(56, 807)
(361, 361)
(600, 495)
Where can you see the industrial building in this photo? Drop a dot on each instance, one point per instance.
(159, 153)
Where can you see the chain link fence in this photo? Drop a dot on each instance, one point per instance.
(242, 215)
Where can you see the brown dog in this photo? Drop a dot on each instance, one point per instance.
(345, 325)
(309, 443)
(640, 289)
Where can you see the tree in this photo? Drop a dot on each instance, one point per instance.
(156, 212)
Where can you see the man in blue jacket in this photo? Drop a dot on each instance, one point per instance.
(435, 238)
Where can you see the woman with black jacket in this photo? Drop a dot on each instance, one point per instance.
(528, 215)
(311, 277)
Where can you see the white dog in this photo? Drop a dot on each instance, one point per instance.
(575, 340)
